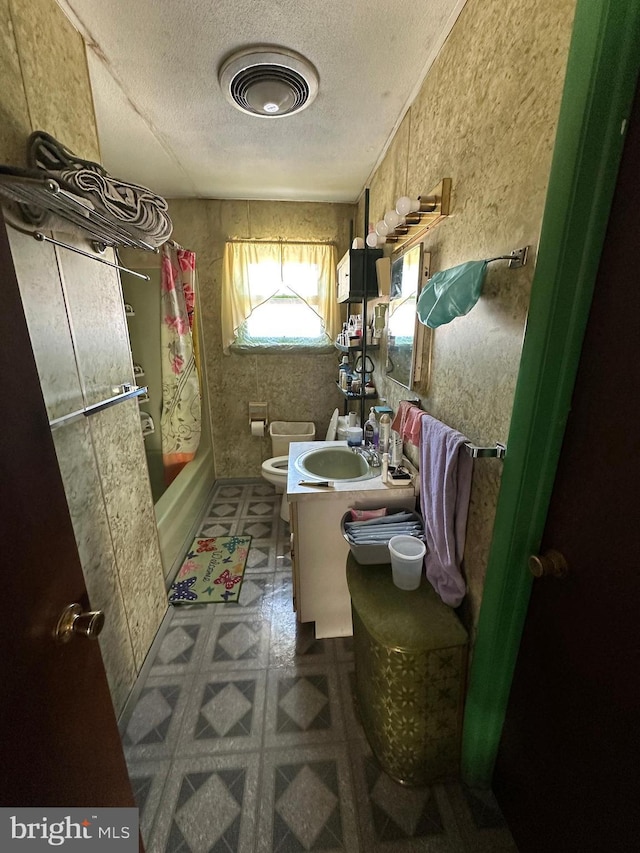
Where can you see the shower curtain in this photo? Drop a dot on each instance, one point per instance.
(180, 419)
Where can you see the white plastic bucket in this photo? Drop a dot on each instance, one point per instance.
(407, 554)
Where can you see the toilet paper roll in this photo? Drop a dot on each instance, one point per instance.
(257, 428)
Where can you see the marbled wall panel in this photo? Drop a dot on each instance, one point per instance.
(389, 183)
(299, 221)
(45, 311)
(14, 111)
(125, 485)
(95, 548)
(296, 382)
(234, 383)
(46, 86)
(44, 307)
(98, 322)
(296, 387)
(486, 117)
(56, 78)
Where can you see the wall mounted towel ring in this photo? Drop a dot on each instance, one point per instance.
(517, 258)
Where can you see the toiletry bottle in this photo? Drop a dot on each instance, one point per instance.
(396, 449)
(385, 433)
(371, 430)
(343, 371)
(385, 467)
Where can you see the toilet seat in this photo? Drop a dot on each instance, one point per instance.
(333, 427)
(276, 471)
(276, 466)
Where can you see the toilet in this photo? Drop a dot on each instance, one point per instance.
(276, 469)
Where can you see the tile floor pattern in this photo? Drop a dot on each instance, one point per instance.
(242, 735)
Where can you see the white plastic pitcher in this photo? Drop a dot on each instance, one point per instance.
(407, 554)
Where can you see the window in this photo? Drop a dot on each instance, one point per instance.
(279, 296)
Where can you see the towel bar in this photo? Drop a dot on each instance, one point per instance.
(128, 392)
(499, 451)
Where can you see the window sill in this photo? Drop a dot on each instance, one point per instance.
(239, 349)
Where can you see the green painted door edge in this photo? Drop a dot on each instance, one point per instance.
(602, 74)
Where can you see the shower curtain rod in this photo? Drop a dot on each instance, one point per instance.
(281, 241)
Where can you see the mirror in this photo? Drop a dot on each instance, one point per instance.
(405, 334)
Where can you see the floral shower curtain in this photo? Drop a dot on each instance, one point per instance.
(180, 420)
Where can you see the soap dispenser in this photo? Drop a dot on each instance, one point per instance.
(371, 430)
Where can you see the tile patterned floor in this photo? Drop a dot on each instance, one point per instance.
(242, 735)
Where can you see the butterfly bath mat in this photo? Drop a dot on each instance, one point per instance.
(212, 571)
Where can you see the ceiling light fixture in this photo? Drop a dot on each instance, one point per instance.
(268, 81)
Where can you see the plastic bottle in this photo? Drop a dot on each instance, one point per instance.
(396, 449)
(385, 433)
(371, 430)
(343, 371)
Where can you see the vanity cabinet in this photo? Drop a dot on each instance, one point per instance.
(319, 551)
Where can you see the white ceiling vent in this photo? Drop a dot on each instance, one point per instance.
(268, 81)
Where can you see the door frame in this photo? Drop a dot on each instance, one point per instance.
(602, 73)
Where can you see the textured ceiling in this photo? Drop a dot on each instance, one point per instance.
(163, 121)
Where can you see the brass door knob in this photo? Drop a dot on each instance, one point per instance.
(74, 622)
(550, 564)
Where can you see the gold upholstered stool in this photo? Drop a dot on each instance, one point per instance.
(411, 655)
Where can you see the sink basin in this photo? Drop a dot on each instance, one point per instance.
(334, 463)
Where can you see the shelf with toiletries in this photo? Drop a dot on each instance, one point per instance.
(355, 348)
(350, 395)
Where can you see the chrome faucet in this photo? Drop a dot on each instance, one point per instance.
(370, 454)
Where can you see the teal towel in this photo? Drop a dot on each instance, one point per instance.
(451, 293)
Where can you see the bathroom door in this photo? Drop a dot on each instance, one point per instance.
(568, 768)
(60, 741)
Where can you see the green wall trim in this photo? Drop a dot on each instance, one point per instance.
(602, 73)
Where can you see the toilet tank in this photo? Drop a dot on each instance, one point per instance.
(284, 432)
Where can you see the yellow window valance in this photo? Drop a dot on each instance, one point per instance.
(253, 272)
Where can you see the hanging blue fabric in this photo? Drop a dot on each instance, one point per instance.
(451, 293)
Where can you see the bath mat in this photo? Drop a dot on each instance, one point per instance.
(212, 571)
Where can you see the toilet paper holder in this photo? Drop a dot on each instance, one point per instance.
(258, 412)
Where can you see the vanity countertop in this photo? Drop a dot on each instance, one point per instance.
(351, 490)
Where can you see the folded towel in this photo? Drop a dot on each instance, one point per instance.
(407, 422)
(134, 205)
(445, 486)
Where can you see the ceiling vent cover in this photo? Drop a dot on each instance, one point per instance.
(268, 81)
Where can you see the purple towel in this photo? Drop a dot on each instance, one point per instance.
(445, 486)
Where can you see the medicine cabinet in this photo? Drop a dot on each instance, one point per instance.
(350, 274)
